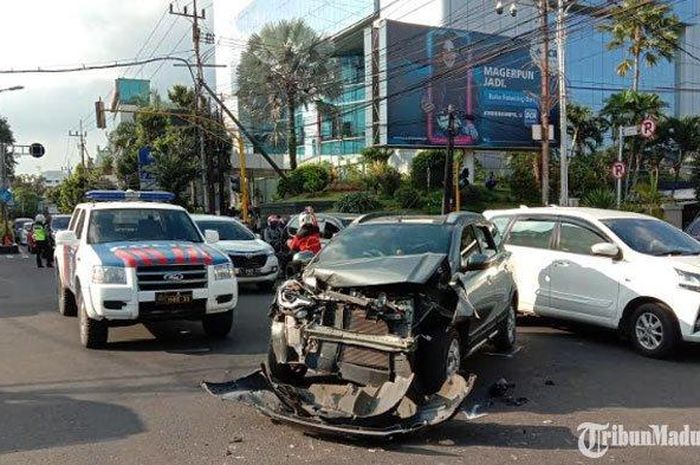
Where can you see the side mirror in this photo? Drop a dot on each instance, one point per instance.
(211, 236)
(258, 236)
(476, 262)
(65, 237)
(301, 259)
(605, 249)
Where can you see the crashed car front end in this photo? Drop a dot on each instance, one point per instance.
(344, 360)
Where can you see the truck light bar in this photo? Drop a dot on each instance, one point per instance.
(115, 196)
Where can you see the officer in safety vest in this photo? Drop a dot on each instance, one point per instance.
(42, 242)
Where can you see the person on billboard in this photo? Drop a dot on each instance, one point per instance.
(451, 86)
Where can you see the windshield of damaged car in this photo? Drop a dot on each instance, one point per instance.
(653, 237)
(386, 240)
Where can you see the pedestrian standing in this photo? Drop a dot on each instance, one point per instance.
(42, 240)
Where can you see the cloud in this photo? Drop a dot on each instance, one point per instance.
(72, 32)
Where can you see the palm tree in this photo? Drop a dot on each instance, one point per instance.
(682, 137)
(648, 29)
(285, 66)
(585, 128)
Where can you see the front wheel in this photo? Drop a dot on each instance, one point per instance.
(93, 333)
(439, 356)
(218, 325)
(653, 331)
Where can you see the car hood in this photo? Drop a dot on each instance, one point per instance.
(686, 262)
(243, 247)
(416, 269)
(133, 254)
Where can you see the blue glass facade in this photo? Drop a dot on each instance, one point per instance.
(591, 66)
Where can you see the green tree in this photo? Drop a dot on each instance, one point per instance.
(174, 166)
(584, 127)
(7, 137)
(629, 108)
(677, 140)
(647, 29)
(72, 190)
(123, 143)
(284, 67)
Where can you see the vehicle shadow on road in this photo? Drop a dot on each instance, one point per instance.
(31, 422)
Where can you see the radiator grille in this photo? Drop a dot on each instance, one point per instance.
(249, 261)
(160, 278)
(357, 322)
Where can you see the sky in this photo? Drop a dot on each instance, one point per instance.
(76, 32)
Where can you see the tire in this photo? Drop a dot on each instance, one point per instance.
(93, 333)
(507, 331)
(218, 325)
(284, 372)
(438, 358)
(66, 301)
(653, 331)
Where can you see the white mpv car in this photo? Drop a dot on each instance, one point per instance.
(610, 268)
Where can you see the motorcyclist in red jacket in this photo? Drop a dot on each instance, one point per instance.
(308, 237)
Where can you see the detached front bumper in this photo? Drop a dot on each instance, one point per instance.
(384, 411)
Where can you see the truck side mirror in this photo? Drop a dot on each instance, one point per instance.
(66, 237)
(211, 236)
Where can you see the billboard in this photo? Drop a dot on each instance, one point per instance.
(491, 82)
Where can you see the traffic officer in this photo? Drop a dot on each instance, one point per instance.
(42, 242)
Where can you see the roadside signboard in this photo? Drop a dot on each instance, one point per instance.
(146, 179)
(5, 195)
(647, 128)
(628, 131)
(618, 170)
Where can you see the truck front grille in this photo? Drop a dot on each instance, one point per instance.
(249, 261)
(171, 277)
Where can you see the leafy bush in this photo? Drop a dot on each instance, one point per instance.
(382, 178)
(523, 185)
(408, 197)
(428, 161)
(376, 155)
(599, 198)
(358, 202)
(309, 178)
(432, 202)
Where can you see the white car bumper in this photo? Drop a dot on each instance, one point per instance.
(686, 306)
(126, 302)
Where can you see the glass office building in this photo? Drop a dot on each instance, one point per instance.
(344, 126)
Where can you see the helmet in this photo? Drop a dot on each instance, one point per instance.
(40, 218)
(308, 217)
(273, 220)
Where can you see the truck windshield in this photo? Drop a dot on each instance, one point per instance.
(128, 224)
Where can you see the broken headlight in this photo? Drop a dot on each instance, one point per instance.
(290, 296)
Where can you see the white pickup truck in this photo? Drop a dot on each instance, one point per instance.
(128, 257)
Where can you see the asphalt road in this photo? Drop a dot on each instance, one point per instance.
(139, 401)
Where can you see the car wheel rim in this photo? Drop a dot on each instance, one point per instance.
(511, 325)
(453, 358)
(649, 331)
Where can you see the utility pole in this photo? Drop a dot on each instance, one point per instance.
(81, 134)
(449, 161)
(564, 137)
(195, 16)
(544, 98)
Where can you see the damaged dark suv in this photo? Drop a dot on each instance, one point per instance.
(371, 338)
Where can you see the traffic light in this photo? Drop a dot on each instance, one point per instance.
(100, 114)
